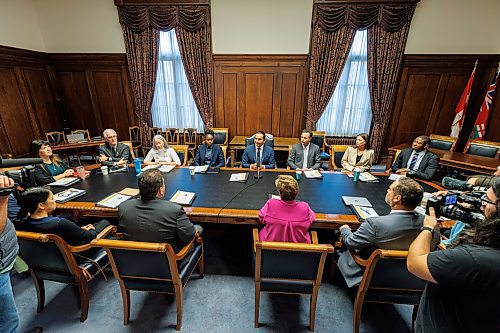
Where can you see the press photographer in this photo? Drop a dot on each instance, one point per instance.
(463, 293)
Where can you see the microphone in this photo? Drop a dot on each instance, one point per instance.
(15, 162)
(456, 184)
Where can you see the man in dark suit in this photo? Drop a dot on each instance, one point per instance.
(395, 231)
(152, 219)
(266, 154)
(305, 155)
(417, 161)
(113, 153)
(209, 153)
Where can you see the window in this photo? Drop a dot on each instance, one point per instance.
(173, 103)
(348, 112)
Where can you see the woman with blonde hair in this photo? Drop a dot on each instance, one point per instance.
(161, 153)
(359, 156)
(286, 220)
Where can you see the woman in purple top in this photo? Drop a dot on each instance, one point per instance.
(286, 220)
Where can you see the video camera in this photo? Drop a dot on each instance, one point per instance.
(21, 177)
(458, 206)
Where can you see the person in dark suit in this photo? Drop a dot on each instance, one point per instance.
(152, 219)
(395, 231)
(305, 155)
(113, 153)
(417, 161)
(266, 154)
(209, 153)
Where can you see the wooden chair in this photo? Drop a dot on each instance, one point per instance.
(483, 148)
(182, 152)
(128, 143)
(442, 142)
(172, 135)
(224, 151)
(152, 132)
(221, 135)
(386, 280)
(135, 137)
(319, 138)
(94, 156)
(49, 257)
(289, 268)
(190, 138)
(153, 267)
(56, 138)
(336, 154)
(289, 153)
(85, 132)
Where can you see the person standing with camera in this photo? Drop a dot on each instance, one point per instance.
(463, 293)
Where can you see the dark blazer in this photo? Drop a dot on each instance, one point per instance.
(427, 168)
(122, 151)
(395, 231)
(267, 157)
(217, 160)
(296, 157)
(42, 176)
(157, 221)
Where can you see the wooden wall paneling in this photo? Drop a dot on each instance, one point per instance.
(28, 102)
(258, 102)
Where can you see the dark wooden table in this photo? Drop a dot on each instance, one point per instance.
(77, 145)
(453, 159)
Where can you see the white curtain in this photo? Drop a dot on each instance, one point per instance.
(348, 112)
(173, 103)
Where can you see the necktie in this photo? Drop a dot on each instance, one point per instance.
(258, 157)
(113, 149)
(414, 161)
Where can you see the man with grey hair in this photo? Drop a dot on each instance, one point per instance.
(395, 231)
(113, 153)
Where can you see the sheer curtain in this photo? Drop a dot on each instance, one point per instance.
(348, 112)
(173, 103)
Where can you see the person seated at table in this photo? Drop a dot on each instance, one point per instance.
(305, 155)
(209, 153)
(39, 203)
(417, 161)
(113, 153)
(52, 169)
(286, 220)
(395, 231)
(359, 156)
(483, 180)
(161, 153)
(266, 154)
(152, 219)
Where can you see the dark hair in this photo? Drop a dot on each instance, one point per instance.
(426, 140)
(308, 132)
(366, 138)
(29, 199)
(209, 132)
(261, 132)
(35, 147)
(150, 182)
(410, 191)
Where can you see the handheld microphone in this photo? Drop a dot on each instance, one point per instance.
(456, 184)
(15, 162)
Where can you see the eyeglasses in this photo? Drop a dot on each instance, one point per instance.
(111, 136)
(485, 200)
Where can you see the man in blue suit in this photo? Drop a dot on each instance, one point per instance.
(266, 154)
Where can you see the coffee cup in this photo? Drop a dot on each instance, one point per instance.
(104, 170)
(191, 170)
(298, 174)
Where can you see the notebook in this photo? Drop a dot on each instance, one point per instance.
(68, 195)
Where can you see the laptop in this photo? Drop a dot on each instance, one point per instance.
(74, 138)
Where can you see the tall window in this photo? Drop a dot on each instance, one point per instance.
(173, 103)
(348, 112)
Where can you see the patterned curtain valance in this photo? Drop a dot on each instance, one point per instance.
(189, 18)
(360, 17)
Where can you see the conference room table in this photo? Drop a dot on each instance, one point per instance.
(280, 144)
(479, 164)
(77, 145)
(220, 201)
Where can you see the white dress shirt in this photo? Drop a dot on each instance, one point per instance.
(305, 149)
(419, 159)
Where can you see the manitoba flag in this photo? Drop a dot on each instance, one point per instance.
(456, 126)
(482, 117)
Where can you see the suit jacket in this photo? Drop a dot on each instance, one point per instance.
(217, 159)
(157, 221)
(349, 159)
(267, 157)
(395, 231)
(122, 151)
(427, 167)
(296, 157)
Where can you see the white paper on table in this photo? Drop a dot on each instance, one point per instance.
(166, 168)
(358, 201)
(67, 181)
(238, 177)
(312, 174)
(149, 167)
(395, 176)
(183, 198)
(201, 168)
(114, 200)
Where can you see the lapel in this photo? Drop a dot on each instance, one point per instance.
(423, 162)
(405, 158)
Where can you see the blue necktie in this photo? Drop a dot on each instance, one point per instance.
(414, 161)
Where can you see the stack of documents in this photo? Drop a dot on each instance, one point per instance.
(368, 177)
(239, 177)
(312, 174)
(65, 182)
(183, 197)
(115, 199)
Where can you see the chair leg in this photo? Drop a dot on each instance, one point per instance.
(126, 303)
(83, 288)
(312, 314)
(201, 265)
(40, 291)
(257, 304)
(178, 302)
(356, 316)
(414, 317)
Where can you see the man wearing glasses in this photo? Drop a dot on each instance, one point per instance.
(113, 153)
(463, 293)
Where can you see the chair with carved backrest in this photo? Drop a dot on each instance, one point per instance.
(182, 152)
(153, 267)
(483, 148)
(135, 137)
(442, 142)
(56, 138)
(190, 138)
(94, 155)
(152, 132)
(50, 258)
(172, 135)
(289, 268)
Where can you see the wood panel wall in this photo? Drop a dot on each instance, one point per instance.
(260, 92)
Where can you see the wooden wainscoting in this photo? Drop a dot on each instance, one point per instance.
(260, 92)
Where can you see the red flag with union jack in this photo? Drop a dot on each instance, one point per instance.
(456, 126)
(482, 118)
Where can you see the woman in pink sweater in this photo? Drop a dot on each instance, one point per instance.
(286, 220)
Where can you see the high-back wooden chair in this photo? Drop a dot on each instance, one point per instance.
(289, 268)
(85, 132)
(483, 148)
(56, 138)
(182, 152)
(135, 137)
(190, 138)
(172, 135)
(153, 267)
(442, 142)
(128, 143)
(336, 154)
(94, 156)
(221, 135)
(152, 132)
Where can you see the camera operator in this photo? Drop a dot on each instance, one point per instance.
(464, 290)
